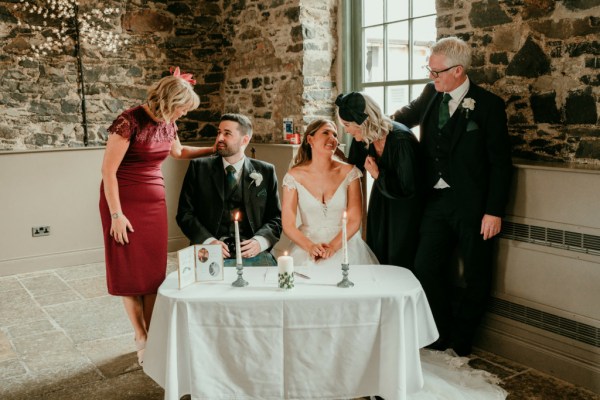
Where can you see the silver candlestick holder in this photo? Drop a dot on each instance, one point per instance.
(345, 282)
(240, 281)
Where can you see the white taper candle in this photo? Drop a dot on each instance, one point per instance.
(238, 246)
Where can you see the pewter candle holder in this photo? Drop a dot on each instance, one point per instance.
(345, 282)
(240, 282)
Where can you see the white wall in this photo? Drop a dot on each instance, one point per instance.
(60, 188)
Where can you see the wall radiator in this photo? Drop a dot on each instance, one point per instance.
(566, 240)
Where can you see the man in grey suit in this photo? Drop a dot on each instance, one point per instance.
(217, 189)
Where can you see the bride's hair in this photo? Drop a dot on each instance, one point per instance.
(304, 154)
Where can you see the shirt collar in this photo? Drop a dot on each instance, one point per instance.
(460, 92)
(238, 165)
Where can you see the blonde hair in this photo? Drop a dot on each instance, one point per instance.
(304, 153)
(377, 124)
(456, 50)
(170, 93)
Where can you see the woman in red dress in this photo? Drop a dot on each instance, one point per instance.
(132, 195)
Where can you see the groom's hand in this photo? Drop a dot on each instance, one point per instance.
(223, 247)
(250, 248)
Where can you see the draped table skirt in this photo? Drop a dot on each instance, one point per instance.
(316, 341)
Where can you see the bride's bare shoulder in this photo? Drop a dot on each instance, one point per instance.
(298, 172)
(344, 167)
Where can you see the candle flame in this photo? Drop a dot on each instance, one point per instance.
(345, 214)
(285, 253)
(237, 216)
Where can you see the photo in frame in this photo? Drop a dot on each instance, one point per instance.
(200, 263)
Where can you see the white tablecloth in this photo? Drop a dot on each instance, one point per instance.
(316, 341)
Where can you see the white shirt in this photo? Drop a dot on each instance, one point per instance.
(239, 166)
(457, 96)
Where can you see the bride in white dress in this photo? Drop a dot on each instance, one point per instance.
(321, 187)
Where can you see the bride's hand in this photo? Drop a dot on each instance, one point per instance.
(328, 252)
(316, 251)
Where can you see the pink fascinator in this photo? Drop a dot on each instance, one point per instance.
(186, 77)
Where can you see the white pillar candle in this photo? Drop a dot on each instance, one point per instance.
(344, 239)
(238, 246)
(285, 263)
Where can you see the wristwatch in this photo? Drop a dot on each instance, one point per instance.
(115, 215)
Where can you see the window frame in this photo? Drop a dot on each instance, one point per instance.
(353, 40)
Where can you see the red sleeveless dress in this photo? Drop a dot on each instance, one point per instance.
(139, 267)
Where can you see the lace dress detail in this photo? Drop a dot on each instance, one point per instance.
(321, 221)
(135, 124)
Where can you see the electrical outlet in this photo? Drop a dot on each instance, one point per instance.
(40, 231)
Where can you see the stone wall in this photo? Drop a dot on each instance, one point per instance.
(280, 63)
(264, 58)
(543, 58)
(40, 100)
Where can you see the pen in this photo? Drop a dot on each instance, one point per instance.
(301, 275)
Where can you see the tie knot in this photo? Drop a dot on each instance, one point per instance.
(230, 170)
(446, 99)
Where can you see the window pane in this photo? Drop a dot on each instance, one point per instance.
(424, 34)
(397, 97)
(373, 54)
(376, 92)
(423, 7)
(416, 92)
(372, 12)
(398, 63)
(396, 10)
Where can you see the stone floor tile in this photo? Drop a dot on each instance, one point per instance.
(113, 356)
(503, 362)
(30, 328)
(49, 353)
(500, 372)
(44, 285)
(133, 386)
(9, 283)
(91, 319)
(533, 385)
(17, 307)
(34, 387)
(10, 369)
(81, 271)
(6, 350)
(89, 287)
(58, 297)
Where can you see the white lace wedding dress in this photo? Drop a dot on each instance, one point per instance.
(321, 222)
(446, 376)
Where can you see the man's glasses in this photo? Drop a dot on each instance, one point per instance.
(435, 74)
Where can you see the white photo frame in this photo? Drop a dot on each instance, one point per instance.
(199, 263)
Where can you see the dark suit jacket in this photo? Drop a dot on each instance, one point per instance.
(480, 165)
(201, 201)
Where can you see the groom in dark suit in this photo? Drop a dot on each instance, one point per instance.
(467, 167)
(216, 189)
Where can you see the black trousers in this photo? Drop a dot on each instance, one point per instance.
(457, 313)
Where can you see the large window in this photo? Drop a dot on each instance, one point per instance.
(387, 46)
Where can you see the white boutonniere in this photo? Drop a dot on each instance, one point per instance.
(256, 177)
(468, 104)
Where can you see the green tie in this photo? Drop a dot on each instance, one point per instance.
(230, 177)
(444, 111)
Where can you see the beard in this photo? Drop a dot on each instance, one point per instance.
(227, 151)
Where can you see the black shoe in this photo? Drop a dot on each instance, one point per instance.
(440, 345)
(462, 349)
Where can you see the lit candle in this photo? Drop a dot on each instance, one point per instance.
(344, 239)
(285, 263)
(238, 246)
